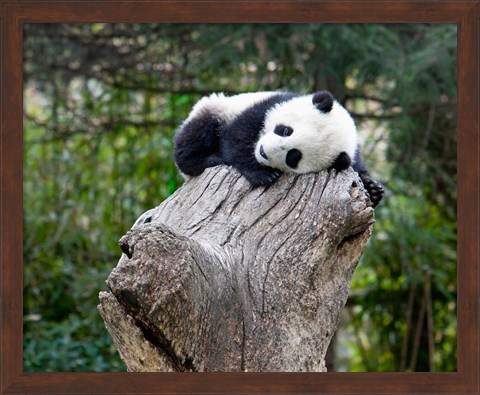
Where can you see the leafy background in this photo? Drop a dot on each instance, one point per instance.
(102, 102)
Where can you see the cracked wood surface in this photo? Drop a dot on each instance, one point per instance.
(223, 277)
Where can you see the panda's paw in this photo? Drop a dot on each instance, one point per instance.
(274, 176)
(374, 189)
(264, 178)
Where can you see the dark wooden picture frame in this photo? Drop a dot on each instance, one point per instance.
(14, 13)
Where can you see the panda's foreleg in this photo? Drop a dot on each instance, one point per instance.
(373, 187)
(238, 148)
(196, 144)
(244, 161)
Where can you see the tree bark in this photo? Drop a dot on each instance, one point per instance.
(223, 277)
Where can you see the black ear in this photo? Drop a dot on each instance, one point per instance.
(323, 101)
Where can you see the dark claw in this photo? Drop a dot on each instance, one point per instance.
(274, 176)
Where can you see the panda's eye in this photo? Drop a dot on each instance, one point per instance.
(283, 131)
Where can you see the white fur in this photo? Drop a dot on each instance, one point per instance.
(227, 107)
(320, 137)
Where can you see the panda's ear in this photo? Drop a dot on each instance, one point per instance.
(323, 101)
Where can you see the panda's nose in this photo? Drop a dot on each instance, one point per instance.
(262, 152)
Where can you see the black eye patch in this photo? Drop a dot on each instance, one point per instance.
(293, 157)
(283, 130)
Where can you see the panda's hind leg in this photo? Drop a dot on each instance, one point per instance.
(196, 144)
(373, 187)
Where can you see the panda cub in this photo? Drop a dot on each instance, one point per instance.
(266, 133)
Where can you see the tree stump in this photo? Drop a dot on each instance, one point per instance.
(223, 277)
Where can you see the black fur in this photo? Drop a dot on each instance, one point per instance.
(196, 145)
(342, 162)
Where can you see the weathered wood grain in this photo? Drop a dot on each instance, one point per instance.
(223, 277)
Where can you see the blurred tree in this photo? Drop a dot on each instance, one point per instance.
(102, 102)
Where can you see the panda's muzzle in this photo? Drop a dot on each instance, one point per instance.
(262, 152)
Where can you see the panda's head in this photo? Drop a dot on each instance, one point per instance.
(306, 134)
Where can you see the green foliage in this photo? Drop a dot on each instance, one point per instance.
(417, 264)
(68, 345)
(102, 102)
